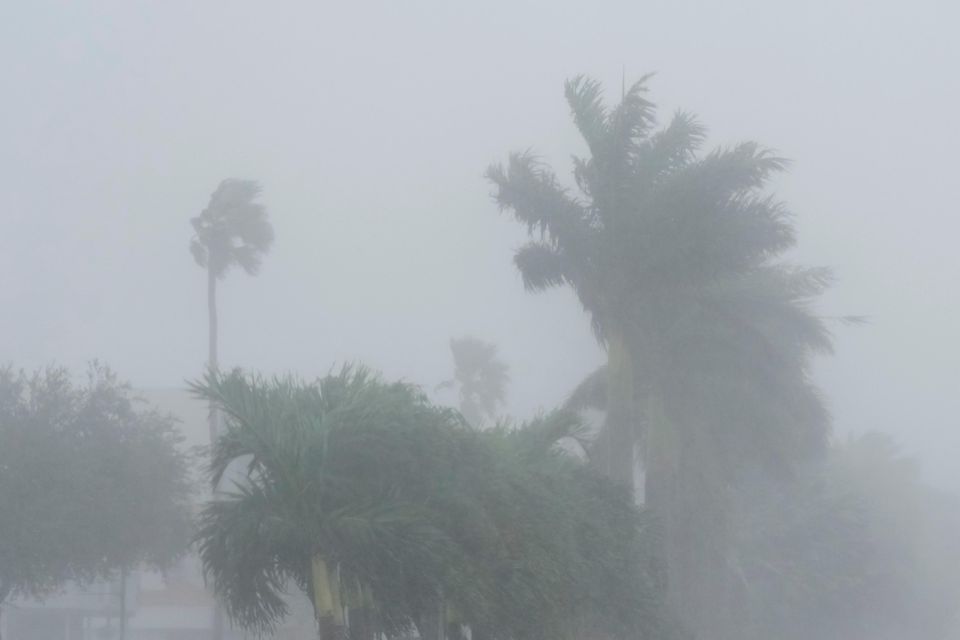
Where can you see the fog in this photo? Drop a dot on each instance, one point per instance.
(369, 126)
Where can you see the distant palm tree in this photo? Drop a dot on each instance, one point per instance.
(480, 376)
(234, 230)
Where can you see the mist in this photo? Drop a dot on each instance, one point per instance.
(369, 127)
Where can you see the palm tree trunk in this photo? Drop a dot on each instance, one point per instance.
(123, 603)
(214, 413)
(212, 358)
(662, 497)
(684, 490)
(622, 415)
(326, 601)
(361, 616)
(361, 623)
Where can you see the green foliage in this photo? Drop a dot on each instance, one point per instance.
(232, 230)
(89, 481)
(675, 249)
(480, 377)
(504, 529)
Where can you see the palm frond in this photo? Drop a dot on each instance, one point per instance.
(590, 393)
(233, 229)
(542, 434)
(629, 123)
(742, 168)
(670, 149)
(585, 97)
(542, 266)
(531, 191)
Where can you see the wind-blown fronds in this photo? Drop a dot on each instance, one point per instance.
(676, 255)
(526, 187)
(406, 507)
(585, 97)
(590, 393)
(232, 230)
(676, 250)
(543, 266)
(671, 148)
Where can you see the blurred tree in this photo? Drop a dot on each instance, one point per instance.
(90, 483)
(854, 546)
(480, 377)
(672, 253)
(393, 515)
(234, 230)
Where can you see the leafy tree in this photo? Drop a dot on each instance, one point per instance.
(90, 482)
(378, 504)
(673, 253)
(480, 376)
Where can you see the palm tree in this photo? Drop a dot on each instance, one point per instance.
(376, 503)
(672, 252)
(293, 516)
(233, 230)
(480, 376)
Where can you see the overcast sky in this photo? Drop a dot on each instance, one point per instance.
(369, 125)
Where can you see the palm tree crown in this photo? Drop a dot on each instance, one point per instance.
(232, 230)
(480, 376)
(671, 251)
(652, 216)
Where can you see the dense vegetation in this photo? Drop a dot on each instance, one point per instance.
(365, 495)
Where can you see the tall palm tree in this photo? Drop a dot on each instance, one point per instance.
(234, 230)
(673, 253)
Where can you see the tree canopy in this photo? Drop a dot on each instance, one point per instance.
(233, 230)
(90, 481)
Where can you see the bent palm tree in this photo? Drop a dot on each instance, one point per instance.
(233, 230)
(672, 253)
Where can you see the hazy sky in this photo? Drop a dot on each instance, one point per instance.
(369, 125)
